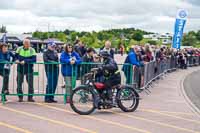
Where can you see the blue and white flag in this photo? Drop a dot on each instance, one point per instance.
(179, 27)
(4, 38)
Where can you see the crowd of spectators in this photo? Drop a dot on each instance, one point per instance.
(77, 57)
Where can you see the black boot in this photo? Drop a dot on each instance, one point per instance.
(30, 99)
(20, 99)
(109, 97)
(6, 92)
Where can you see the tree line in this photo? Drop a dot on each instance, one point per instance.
(192, 38)
(125, 36)
(96, 39)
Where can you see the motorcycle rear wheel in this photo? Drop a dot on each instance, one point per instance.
(126, 94)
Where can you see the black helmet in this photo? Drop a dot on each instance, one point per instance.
(104, 54)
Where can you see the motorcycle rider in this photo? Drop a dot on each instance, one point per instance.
(111, 73)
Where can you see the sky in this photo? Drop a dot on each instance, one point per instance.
(21, 16)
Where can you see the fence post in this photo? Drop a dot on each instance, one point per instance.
(65, 98)
(131, 74)
(3, 98)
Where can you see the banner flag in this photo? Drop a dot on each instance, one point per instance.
(179, 28)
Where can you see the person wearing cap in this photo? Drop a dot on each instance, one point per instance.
(70, 60)
(25, 59)
(51, 60)
(6, 57)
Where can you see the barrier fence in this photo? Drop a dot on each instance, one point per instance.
(33, 80)
(193, 60)
(37, 80)
(155, 69)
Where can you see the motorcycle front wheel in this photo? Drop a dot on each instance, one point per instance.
(82, 100)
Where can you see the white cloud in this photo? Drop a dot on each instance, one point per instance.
(153, 15)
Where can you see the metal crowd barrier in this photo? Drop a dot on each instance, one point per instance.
(193, 61)
(126, 71)
(39, 78)
(190, 61)
(155, 69)
(139, 77)
(173, 62)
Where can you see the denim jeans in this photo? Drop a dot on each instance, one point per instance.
(52, 81)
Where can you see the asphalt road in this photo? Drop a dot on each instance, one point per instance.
(192, 88)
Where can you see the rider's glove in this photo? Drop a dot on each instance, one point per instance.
(94, 69)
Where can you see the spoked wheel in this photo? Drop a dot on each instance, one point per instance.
(82, 101)
(127, 99)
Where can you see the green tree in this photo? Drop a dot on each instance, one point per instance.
(138, 36)
(52, 35)
(106, 36)
(67, 32)
(37, 34)
(45, 35)
(100, 36)
(152, 42)
(73, 36)
(116, 42)
(88, 40)
(61, 36)
(198, 35)
(189, 40)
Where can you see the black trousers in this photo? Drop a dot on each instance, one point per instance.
(112, 81)
(5, 74)
(20, 80)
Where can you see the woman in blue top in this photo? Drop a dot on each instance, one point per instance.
(69, 60)
(5, 58)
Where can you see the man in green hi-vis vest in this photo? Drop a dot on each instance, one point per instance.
(25, 58)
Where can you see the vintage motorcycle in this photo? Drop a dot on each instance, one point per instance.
(93, 95)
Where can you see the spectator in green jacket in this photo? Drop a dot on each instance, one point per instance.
(25, 58)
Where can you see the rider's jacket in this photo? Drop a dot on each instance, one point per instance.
(109, 68)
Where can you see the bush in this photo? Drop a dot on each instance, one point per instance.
(152, 42)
